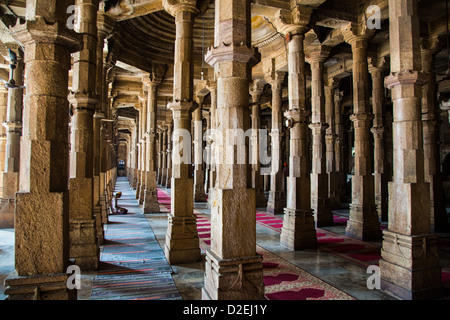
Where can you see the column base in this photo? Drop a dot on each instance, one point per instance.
(363, 223)
(439, 219)
(409, 266)
(166, 183)
(182, 242)
(276, 202)
(199, 194)
(298, 231)
(261, 200)
(141, 194)
(7, 207)
(233, 279)
(39, 287)
(99, 225)
(104, 207)
(138, 190)
(151, 204)
(322, 212)
(10, 184)
(83, 244)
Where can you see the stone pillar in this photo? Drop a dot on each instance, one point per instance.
(83, 233)
(164, 154)
(104, 28)
(199, 177)
(233, 268)
(256, 90)
(298, 231)
(433, 175)
(378, 128)
(159, 155)
(409, 264)
(212, 87)
(139, 156)
(150, 202)
(3, 115)
(207, 117)
(144, 149)
(182, 243)
(363, 223)
(277, 194)
(320, 201)
(339, 146)
(330, 141)
(13, 126)
(169, 155)
(42, 204)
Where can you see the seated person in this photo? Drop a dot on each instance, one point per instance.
(117, 209)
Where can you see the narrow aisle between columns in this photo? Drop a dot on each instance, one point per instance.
(132, 264)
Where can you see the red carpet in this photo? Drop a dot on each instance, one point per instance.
(359, 252)
(282, 280)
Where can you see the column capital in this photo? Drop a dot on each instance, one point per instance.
(377, 65)
(317, 53)
(152, 80)
(39, 31)
(296, 116)
(211, 85)
(105, 25)
(256, 89)
(377, 132)
(175, 6)
(405, 77)
(293, 22)
(354, 33)
(431, 45)
(275, 78)
(230, 52)
(331, 83)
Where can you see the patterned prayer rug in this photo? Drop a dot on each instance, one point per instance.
(282, 280)
(359, 252)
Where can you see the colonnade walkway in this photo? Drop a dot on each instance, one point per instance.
(133, 265)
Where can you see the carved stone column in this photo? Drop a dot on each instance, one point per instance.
(320, 201)
(363, 223)
(144, 128)
(212, 87)
(3, 115)
(42, 204)
(150, 202)
(104, 27)
(339, 146)
(182, 243)
(164, 155)
(83, 233)
(380, 173)
(256, 89)
(277, 194)
(409, 264)
(167, 183)
(233, 268)
(433, 175)
(298, 231)
(199, 187)
(159, 145)
(330, 141)
(13, 126)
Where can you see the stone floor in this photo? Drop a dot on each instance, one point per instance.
(336, 271)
